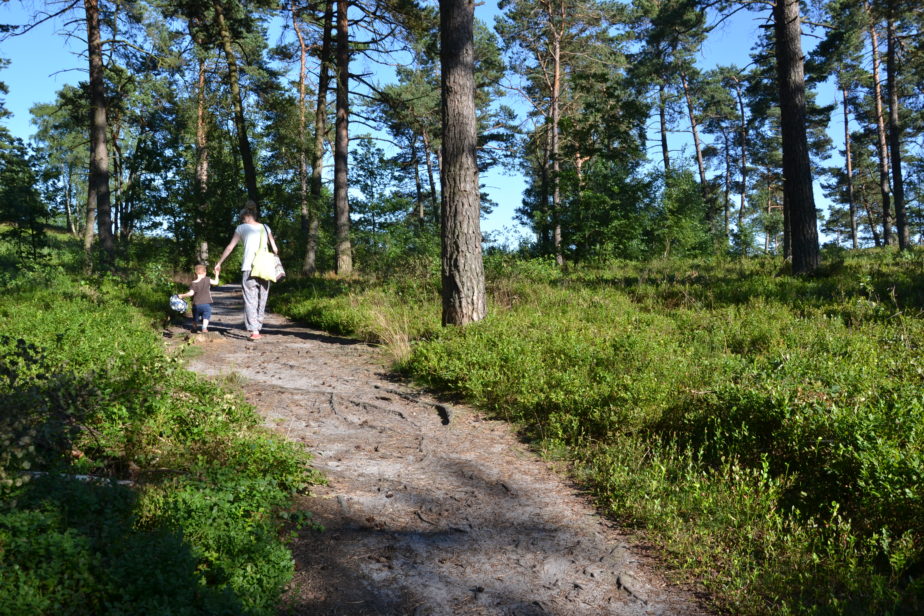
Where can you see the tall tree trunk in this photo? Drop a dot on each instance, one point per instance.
(743, 162)
(787, 229)
(98, 181)
(117, 172)
(250, 170)
(68, 198)
(797, 169)
(463, 288)
(700, 164)
(851, 206)
(302, 145)
(872, 222)
(727, 193)
(428, 156)
(882, 147)
(418, 185)
(202, 168)
(341, 144)
(320, 130)
(554, 149)
(662, 116)
(895, 137)
(545, 235)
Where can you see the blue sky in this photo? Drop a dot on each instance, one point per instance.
(45, 59)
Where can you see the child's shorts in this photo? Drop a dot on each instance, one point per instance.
(202, 312)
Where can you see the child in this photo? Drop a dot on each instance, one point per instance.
(202, 296)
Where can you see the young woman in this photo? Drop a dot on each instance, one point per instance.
(252, 234)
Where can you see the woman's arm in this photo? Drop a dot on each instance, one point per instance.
(234, 240)
(272, 241)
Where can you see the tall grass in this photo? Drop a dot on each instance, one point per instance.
(767, 431)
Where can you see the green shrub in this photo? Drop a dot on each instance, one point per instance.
(767, 430)
(87, 389)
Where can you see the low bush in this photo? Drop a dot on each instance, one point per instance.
(767, 430)
(127, 484)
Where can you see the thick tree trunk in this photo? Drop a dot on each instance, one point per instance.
(250, 170)
(797, 170)
(320, 129)
(202, 169)
(694, 127)
(851, 205)
(895, 137)
(341, 144)
(463, 287)
(882, 147)
(662, 117)
(98, 181)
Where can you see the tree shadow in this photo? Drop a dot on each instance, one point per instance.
(70, 539)
(425, 561)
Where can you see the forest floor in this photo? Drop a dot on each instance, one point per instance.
(431, 508)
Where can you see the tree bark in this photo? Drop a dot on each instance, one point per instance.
(418, 185)
(341, 144)
(240, 123)
(428, 156)
(320, 129)
(555, 148)
(98, 204)
(797, 170)
(744, 155)
(463, 288)
(882, 147)
(202, 168)
(304, 206)
(895, 137)
(662, 116)
(851, 205)
(727, 196)
(68, 198)
(872, 223)
(694, 126)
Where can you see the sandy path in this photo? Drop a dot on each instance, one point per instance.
(424, 516)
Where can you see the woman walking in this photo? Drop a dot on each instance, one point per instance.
(253, 235)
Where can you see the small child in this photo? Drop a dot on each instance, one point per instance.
(202, 296)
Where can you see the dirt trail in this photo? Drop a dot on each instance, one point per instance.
(430, 510)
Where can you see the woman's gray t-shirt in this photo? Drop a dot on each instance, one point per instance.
(250, 236)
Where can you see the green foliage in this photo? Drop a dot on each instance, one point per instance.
(87, 390)
(766, 429)
(20, 203)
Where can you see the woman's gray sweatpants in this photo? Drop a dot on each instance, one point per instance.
(256, 291)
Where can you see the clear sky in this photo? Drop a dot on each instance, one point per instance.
(47, 58)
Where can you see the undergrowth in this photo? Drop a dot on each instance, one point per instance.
(766, 430)
(128, 485)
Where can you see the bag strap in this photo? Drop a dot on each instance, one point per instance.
(264, 240)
